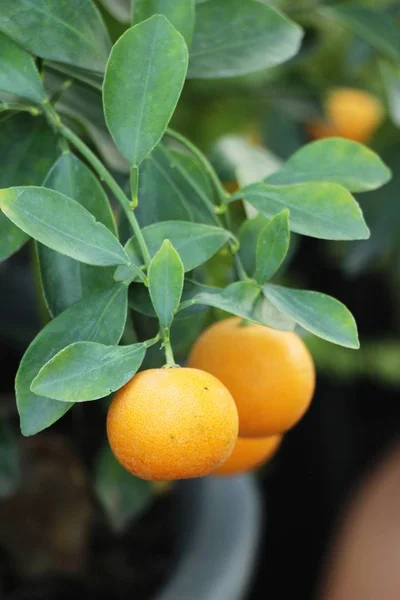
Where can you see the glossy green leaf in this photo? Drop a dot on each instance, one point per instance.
(321, 210)
(174, 186)
(322, 315)
(352, 165)
(119, 9)
(18, 72)
(194, 242)
(272, 247)
(248, 237)
(140, 301)
(139, 95)
(97, 318)
(88, 371)
(391, 79)
(374, 26)
(28, 147)
(123, 496)
(233, 37)
(62, 224)
(69, 32)
(179, 14)
(166, 274)
(65, 280)
(245, 299)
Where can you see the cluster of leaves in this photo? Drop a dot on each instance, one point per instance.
(173, 201)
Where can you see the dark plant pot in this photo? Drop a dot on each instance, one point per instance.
(220, 525)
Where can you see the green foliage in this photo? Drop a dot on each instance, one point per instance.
(321, 210)
(70, 32)
(166, 273)
(132, 85)
(232, 37)
(38, 211)
(65, 280)
(87, 371)
(18, 72)
(122, 496)
(97, 318)
(191, 249)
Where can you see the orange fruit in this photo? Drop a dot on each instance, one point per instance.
(173, 423)
(350, 113)
(248, 454)
(269, 373)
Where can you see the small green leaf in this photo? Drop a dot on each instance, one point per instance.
(65, 280)
(18, 72)
(232, 37)
(374, 26)
(179, 14)
(391, 79)
(321, 210)
(123, 496)
(88, 371)
(194, 242)
(352, 165)
(97, 318)
(245, 299)
(70, 32)
(173, 186)
(272, 247)
(248, 237)
(62, 224)
(166, 276)
(322, 315)
(28, 147)
(139, 95)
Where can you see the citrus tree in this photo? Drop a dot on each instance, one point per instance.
(136, 235)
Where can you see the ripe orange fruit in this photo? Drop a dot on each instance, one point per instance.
(248, 454)
(174, 423)
(350, 113)
(269, 373)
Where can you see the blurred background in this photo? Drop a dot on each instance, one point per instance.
(71, 520)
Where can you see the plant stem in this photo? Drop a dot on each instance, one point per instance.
(221, 193)
(134, 180)
(112, 184)
(17, 106)
(169, 355)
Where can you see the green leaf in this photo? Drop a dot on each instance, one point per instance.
(245, 299)
(88, 371)
(97, 318)
(140, 95)
(123, 496)
(173, 186)
(179, 14)
(194, 242)
(248, 237)
(352, 165)
(321, 210)
(119, 9)
(18, 72)
(232, 37)
(140, 301)
(322, 315)
(65, 280)
(391, 79)
(62, 224)
(373, 26)
(272, 247)
(166, 276)
(69, 32)
(28, 147)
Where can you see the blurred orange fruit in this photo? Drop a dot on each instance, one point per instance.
(248, 454)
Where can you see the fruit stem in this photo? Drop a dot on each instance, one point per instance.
(169, 355)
